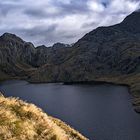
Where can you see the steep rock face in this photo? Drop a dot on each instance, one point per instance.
(114, 49)
(16, 49)
(19, 58)
(131, 23)
(55, 54)
(15, 54)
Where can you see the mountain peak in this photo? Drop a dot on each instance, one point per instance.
(58, 44)
(131, 22)
(138, 10)
(133, 16)
(9, 36)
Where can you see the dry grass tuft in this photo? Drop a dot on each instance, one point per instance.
(22, 121)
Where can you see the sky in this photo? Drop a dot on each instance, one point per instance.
(50, 21)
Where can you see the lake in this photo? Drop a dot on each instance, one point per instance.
(100, 112)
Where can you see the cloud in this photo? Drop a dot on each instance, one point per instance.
(50, 21)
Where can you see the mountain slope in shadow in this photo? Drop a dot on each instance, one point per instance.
(110, 54)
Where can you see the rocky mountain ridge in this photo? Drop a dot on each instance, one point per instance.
(18, 58)
(110, 54)
(104, 51)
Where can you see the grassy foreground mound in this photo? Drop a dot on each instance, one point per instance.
(22, 121)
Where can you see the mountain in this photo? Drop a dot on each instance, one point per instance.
(110, 54)
(113, 50)
(19, 58)
(22, 121)
(15, 55)
(51, 55)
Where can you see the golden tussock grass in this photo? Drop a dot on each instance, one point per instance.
(22, 121)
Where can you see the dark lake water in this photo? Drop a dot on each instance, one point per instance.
(100, 112)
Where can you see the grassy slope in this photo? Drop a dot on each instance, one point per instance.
(23, 121)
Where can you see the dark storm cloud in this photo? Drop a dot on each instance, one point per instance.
(50, 21)
(105, 4)
(6, 8)
(38, 13)
(39, 30)
(74, 7)
(89, 24)
(38, 34)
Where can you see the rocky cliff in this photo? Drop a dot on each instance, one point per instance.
(19, 58)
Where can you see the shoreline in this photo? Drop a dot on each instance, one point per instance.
(99, 81)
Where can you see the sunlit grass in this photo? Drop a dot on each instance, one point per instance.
(22, 121)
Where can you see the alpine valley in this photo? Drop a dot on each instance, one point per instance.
(107, 54)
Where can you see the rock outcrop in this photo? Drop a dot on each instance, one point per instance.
(19, 58)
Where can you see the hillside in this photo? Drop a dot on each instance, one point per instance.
(23, 121)
(110, 54)
(19, 58)
(113, 50)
